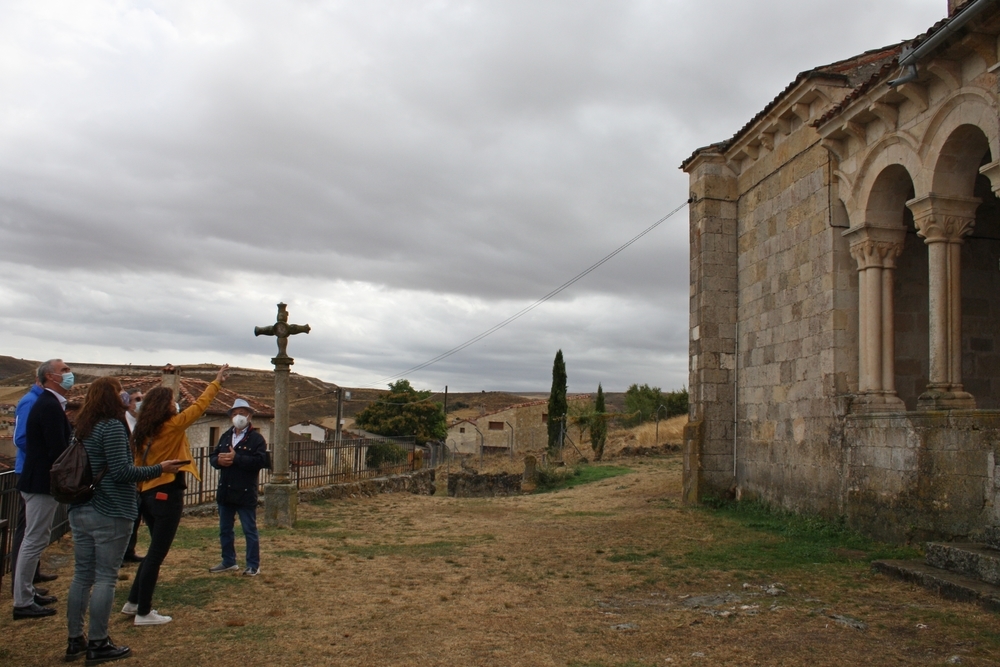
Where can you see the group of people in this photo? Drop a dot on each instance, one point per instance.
(140, 445)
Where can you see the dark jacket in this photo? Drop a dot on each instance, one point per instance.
(48, 435)
(238, 482)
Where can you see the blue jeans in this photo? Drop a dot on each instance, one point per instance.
(248, 520)
(98, 546)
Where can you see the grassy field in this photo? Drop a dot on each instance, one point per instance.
(612, 572)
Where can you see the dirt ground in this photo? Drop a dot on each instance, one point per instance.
(590, 576)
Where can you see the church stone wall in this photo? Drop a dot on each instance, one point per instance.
(797, 322)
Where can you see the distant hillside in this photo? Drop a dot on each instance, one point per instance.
(11, 367)
(309, 398)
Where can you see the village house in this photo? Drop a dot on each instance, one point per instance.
(845, 291)
(523, 426)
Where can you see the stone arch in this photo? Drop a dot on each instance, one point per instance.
(952, 140)
(886, 204)
(895, 150)
(957, 164)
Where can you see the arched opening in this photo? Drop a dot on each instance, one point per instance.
(887, 208)
(981, 298)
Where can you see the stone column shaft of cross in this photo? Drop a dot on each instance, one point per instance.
(281, 496)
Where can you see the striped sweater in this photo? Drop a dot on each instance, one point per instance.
(116, 495)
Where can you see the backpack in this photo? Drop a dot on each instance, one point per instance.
(70, 479)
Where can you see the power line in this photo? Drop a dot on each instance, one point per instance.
(524, 311)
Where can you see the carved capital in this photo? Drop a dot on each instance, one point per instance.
(876, 247)
(943, 219)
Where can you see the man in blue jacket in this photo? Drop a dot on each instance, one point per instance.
(21, 442)
(48, 434)
(241, 454)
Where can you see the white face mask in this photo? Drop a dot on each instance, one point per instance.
(240, 422)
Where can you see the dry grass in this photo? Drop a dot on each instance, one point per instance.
(602, 575)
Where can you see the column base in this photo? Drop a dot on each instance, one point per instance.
(877, 402)
(281, 505)
(942, 399)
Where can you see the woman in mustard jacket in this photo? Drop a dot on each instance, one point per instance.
(160, 435)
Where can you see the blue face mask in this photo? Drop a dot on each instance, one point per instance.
(126, 399)
(67, 381)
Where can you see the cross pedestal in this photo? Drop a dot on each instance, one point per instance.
(281, 496)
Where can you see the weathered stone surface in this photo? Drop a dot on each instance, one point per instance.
(973, 560)
(466, 484)
(656, 450)
(946, 584)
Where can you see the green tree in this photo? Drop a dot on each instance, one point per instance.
(557, 403)
(404, 411)
(642, 402)
(677, 402)
(599, 426)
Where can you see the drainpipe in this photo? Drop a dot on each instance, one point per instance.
(910, 57)
(736, 397)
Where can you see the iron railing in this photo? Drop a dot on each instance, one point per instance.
(311, 463)
(10, 506)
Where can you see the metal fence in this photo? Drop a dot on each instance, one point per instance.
(10, 506)
(313, 463)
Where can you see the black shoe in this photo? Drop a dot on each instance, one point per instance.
(41, 578)
(103, 650)
(45, 600)
(76, 648)
(33, 611)
(41, 591)
(132, 558)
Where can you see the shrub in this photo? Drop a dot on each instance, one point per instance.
(384, 453)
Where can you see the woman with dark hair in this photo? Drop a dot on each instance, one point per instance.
(159, 435)
(101, 526)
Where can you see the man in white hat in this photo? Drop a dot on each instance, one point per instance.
(241, 454)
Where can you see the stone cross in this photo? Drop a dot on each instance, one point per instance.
(282, 330)
(281, 496)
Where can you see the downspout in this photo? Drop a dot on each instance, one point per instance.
(910, 57)
(736, 396)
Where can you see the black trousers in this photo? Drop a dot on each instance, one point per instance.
(161, 510)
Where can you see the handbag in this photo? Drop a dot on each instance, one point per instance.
(70, 479)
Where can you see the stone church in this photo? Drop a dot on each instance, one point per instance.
(845, 291)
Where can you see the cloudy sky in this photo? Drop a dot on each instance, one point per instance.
(404, 174)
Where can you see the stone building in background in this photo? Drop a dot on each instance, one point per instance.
(845, 291)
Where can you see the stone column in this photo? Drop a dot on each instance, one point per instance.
(281, 497)
(875, 249)
(709, 454)
(943, 222)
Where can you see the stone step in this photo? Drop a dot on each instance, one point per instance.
(973, 560)
(993, 537)
(946, 584)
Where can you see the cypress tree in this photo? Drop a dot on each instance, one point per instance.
(557, 403)
(599, 429)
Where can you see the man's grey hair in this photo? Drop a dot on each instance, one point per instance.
(46, 368)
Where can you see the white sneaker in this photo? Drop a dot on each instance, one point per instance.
(152, 618)
(251, 572)
(130, 609)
